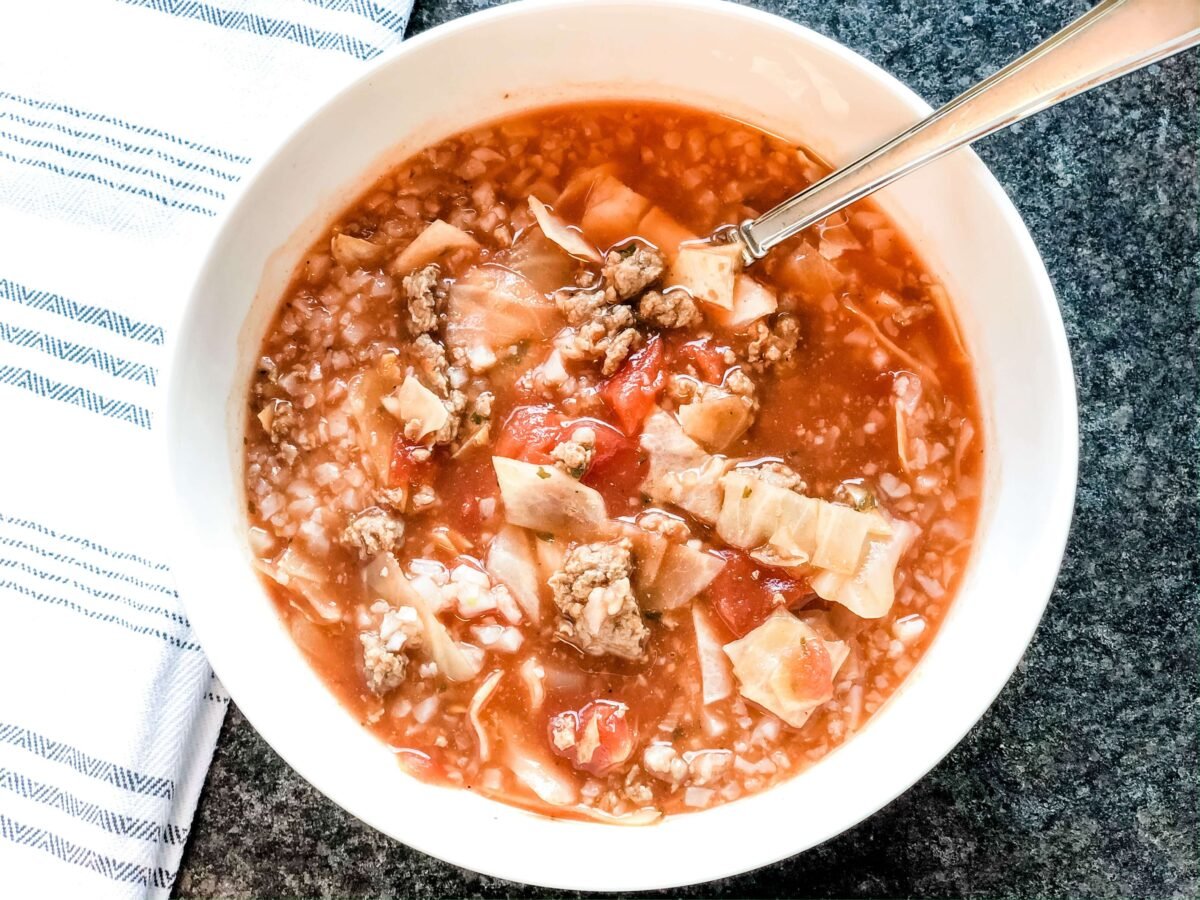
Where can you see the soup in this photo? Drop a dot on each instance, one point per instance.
(572, 509)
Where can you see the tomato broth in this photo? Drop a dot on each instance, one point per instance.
(569, 507)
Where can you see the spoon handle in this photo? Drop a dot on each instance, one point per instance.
(1112, 39)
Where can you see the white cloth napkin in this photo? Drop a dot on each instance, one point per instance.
(124, 127)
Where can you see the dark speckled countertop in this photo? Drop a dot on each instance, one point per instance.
(1083, 779)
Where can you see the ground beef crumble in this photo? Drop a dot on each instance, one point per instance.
(384, 669)
(773, 345)
(673, 309)
(631, 270)
(608, 335)
(592, 592)
(424, 296)
(575, 455)
(372, 532)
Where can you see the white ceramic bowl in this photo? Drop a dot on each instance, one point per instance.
(721, 57)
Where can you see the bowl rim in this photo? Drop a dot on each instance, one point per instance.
(1058, 510)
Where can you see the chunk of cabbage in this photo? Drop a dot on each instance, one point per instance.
(458, 662)
(683, 574)
(376, 427)
(494, 307)
(786, 667)
(841, 534)
(511, 560)
(546, 499)
(355, 253)
(413, 403)
(707, 271)
(613, 211)
(717, 419)
(752, 511)
(436, 241)
(871, 589)
(562, 234)
(715, 677)
(783, 528)
(661, 230)
(679, 470)
(751, 302)
(540, 261)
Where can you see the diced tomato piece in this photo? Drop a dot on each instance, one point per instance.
(405, 469)
(743, 593)
(708, 359)
(808, 670)
(594, 739)
(617, 469)
(530, 433)
(633, 391)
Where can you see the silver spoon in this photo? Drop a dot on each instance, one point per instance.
(1112, 39)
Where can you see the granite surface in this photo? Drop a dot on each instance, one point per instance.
(1082, 780)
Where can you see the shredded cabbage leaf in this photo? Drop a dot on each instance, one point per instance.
(511, 560)
(481, 696)
(751, 302)
(649, 549)
(562, 234)
(493, 307)
(376, 427)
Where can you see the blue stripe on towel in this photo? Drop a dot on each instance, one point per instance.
(113, 321)
(82, 542)
(115, 869)
(392, 19)
(107, 182)
(176, 617)
(84, 763)
(90, 116)
(108, 618)
(78, 353)
(88, 156)
(90, 813)
(118, 144)
(265, 26)
(79, 396)
(89, 567)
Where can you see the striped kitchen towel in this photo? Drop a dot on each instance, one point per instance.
(124, 127)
